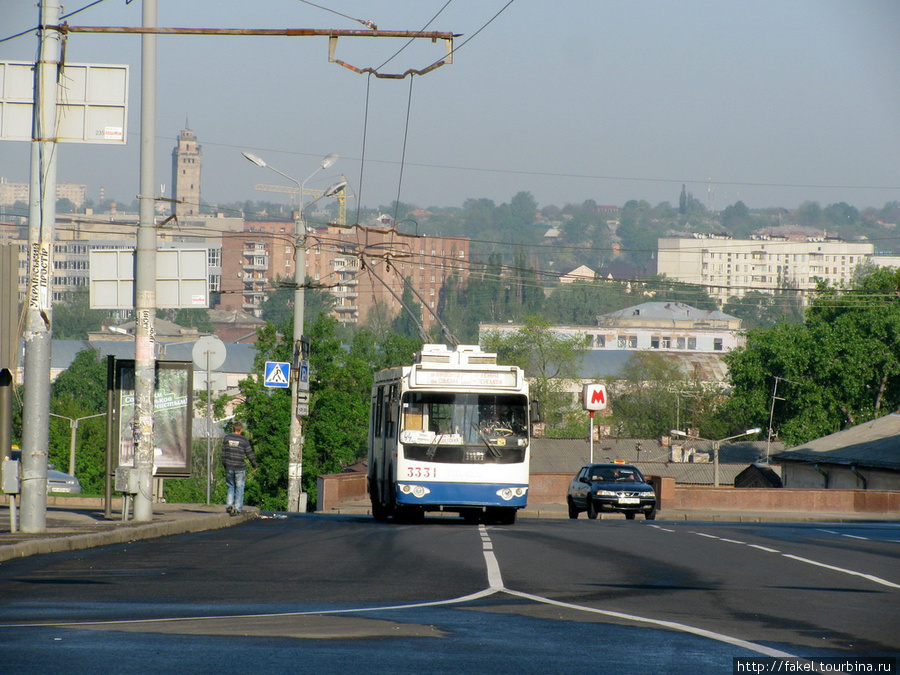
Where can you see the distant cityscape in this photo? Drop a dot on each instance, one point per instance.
(246, 255)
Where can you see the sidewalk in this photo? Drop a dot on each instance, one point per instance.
(74, 524)
(83, 524)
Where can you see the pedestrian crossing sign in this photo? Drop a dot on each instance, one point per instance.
(278, 374)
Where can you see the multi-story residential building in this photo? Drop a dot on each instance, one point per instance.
(729, 267)
(76, 235)
(252, 261)
(359, 266)
(654, 326)
(10, 193)
(367, 266)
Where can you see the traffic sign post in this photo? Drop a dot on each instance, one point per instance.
(593, 398)
(277, 374)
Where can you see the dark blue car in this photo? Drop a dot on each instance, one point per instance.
(618, 488)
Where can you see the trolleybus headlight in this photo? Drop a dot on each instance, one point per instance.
(415, 490)
(509, 492)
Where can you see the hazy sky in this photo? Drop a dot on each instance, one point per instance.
(766, 101)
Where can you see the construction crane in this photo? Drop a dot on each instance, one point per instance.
(341, 196)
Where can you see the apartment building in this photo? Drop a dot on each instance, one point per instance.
(729, 267)
(366, 266)
(360, 266)
(655, 326)
(252, 260)
(10, 193)
(76, 235)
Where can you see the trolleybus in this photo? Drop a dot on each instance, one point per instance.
(450, 432)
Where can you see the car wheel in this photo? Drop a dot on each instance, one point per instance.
(650, 515)
(573, 512)
(591, 509)
(629, 515)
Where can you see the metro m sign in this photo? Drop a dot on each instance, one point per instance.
(593, 397)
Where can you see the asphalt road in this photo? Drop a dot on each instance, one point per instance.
(328, 594)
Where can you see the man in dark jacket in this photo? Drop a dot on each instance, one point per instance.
(236, 451)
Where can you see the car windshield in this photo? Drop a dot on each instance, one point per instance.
(616, 475)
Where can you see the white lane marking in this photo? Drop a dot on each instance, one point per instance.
(471, 597)
(495, 578)
(672, 625)
(870, 577)
(764, 548)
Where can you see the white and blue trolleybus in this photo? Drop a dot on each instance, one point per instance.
(450, 433)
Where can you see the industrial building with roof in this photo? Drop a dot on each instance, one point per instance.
(866, 456)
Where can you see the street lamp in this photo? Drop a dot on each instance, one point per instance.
(716, 444)
(296, 497)
(73, 425)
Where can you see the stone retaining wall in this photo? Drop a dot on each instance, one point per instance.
(550, 488)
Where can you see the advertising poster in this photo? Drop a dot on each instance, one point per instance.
(172, 414)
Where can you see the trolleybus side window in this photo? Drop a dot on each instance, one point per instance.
(379, 413)
(391, 412)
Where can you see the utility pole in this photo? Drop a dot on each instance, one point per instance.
(145, 279)
(38, 317)
(296, 496)
(145, 258)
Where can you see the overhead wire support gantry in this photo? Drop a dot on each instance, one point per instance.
(331, 33)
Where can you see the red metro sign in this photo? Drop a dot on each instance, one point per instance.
(593, 397)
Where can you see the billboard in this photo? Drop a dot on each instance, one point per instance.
(172, 416)
(182, 279)
(91, 105)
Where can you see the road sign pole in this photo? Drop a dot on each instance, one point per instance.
(39, 301)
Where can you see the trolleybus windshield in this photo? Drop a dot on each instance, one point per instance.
(464, 428)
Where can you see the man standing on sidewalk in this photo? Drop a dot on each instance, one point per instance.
(235, 450)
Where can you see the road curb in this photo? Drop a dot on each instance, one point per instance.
(120, 534)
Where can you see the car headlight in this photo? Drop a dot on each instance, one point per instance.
(607, 493)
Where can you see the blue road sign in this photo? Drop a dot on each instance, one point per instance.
(278, 374)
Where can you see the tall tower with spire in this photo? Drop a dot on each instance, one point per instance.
(187, 158)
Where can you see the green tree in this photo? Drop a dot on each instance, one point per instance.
(408, 321)
(78, 392)
(73, 319)
(278, 305)
(841, 367)
(191, 317)
(337, 428)
(660, 287)
(551, 363)
(266, 413)
(580, 303)
(645, 396)
(757, 309)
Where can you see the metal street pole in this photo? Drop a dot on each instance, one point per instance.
(38, 318)
(296, 496)
(145, 279)
(73, 427)
(716, 445)
(716, 463)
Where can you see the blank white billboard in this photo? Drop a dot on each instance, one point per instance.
(182, 278)
(91, 102)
